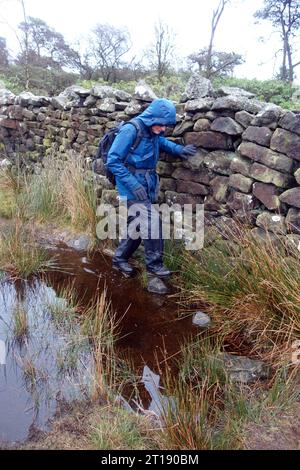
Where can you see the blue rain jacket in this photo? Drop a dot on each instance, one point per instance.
(125, 163)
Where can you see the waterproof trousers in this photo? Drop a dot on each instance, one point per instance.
(143, 224)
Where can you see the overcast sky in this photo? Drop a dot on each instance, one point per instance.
(190, 20)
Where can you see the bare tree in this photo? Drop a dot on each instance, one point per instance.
(212, 62)
(108, 47)
(284, 15)
(161, 51)
(216, 16)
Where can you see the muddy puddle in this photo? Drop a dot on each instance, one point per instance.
(51, 364)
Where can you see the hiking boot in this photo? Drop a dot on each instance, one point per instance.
(160, 271)
(124, 267)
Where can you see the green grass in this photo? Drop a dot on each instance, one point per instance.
(20, 256)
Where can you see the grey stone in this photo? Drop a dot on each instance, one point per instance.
(81, 243)
(79, 90)
(102, 91)
(259, 135)
(191, 187)
(236, 103)
(220, 188)
(157, 286)
(202, 104)
(241, 202)
(133, 109)
(110, 196)
(268, 194)
(144, 92)
(286, 142)
(167, 184)
(173, 197)
(240, 165)
(202, 125)
(199, 176)
(201, 319)
(234, 91)
(291, 197)
(107, 105)
(219, 161)
(6, 97)
(209, 140)
(183, 127)
(241, 369)
(293, 221)
(164, 168)
(272, 222)
(297, 175)
(241, 183)
(267, 175)
(270, 114)
(243, 118)
(293, 242)
(227, 126)
(90, 101)
(197, 87)
(264, 155)
(291, 122)
(195, 162)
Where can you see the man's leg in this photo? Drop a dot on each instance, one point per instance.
(125, 250)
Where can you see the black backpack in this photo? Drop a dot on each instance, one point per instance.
(99, 163)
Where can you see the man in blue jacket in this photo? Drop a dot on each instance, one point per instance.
(137, 179)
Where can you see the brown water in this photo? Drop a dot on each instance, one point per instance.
(150, 331)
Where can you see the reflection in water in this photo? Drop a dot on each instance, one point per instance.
(36, 368)
(52, 361)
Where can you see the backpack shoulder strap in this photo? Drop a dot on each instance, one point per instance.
(139, 134)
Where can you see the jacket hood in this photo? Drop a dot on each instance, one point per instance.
(160, 111)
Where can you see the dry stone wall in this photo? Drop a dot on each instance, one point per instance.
(248, 161)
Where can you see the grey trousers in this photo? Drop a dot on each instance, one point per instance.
(144, 225)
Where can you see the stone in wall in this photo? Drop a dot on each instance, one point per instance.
(291, 197)
(258, 135)
(293, 221)
(267, 175)
(244, 118)
(240, 165)
(191, 187)
(237, 103)
(286, 142)
(269, 116)
(264, 155)
(268, 194)
(202, 124)
(227, 125)
(209, 140)
(202, 104)
(219, 186)
(241, 183)
(291, 122)
(200, 176)
(219, 161)
(143, 92)
(272, 222)
(197, 87)
(173, 197)
(297, 175)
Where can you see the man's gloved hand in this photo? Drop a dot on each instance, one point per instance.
(188, 151)
(140, 193)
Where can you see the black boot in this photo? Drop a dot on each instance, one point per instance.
(124, 267)
(159, 271)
